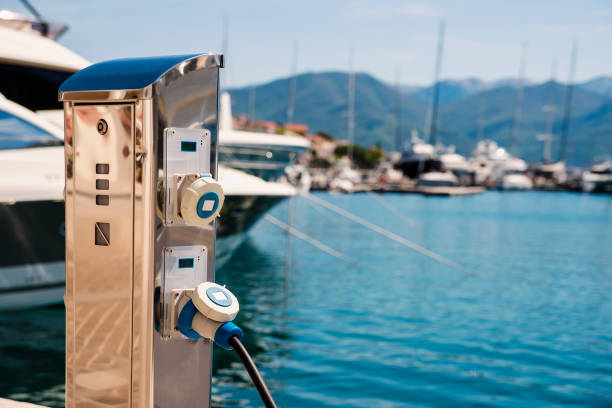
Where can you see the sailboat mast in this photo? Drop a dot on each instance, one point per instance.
(224, 51)
(292, 85)
(436, 91)
(351, 106)
(252, 95)
(550, 110)
(569, 90)
(518, 102)
(397, 109)
(481, 114)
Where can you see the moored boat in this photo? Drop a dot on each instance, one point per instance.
(598, 179)
(32, 66)
(32, 208)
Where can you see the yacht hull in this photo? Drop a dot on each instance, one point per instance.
(414, 168)
(32, 268)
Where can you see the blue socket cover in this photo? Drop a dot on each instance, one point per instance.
(210, 196)
(219, 296)
(184, 321)
(225, 333)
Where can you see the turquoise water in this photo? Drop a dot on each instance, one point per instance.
(527, 322)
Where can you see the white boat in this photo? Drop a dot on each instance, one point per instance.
(598, 179)
(32, 208)
(385, 174)
(422, 158)
(32, 66)
(459, 166)
(419, 158)
(344, 178)
(437, 179)
(496, 168)
(264, 155)
(550, 175)
(515, 182)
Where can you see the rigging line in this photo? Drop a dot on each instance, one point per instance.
(393, 209)
(321, 210)
(310, 240)
(388, 234)
(290, 206)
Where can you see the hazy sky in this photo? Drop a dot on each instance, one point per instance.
(483, 37)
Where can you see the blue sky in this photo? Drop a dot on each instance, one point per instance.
(483, 38)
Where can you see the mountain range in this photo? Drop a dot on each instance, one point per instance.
(321, 103)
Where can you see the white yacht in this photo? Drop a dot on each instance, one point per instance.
(264, 155)
(32, 66)
(437, 179)
(514, 175)
(459, 166)
(32, 208)
(419, 158)
(550, 176)
(496, 168)
(598, 179)
(344, 178)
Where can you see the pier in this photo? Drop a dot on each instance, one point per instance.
(6, 403)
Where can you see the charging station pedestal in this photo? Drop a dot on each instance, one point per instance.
(141, 199)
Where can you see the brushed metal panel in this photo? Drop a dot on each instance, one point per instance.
(183, 367)
(145, 170)
(69, 228)
(102, 275)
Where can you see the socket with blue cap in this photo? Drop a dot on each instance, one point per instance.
(201, 201)
(209, 314)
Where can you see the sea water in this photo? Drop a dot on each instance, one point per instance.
(526, 320)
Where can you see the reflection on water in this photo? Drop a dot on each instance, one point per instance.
(532, 326)
(32, 356)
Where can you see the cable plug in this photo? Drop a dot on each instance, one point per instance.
(209, 313)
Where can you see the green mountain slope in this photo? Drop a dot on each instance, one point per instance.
(321, 102)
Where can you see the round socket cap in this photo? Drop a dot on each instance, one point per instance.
(202, 201)
(215, 302)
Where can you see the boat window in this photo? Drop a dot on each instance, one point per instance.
(16, 133)
(34, 88)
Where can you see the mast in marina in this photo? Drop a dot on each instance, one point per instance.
(569, 90)
(550, 113)
(351, 106)
(224, 79)
(481, 113)
(252, 96)
(518, 102)
(436, 90)
(292, 85)
(397, 142)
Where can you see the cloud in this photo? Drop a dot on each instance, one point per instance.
(421, 10)
(604, 13)
(418, 10)
(604, 28)
(401, 56)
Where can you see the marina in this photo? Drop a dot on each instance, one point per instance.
(526, 326)
(185, 228)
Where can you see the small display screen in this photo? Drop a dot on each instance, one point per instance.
(186, 263)
(188, 146)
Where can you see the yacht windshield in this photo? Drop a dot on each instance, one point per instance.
(16, 133)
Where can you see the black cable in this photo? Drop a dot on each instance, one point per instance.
(258, 381)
